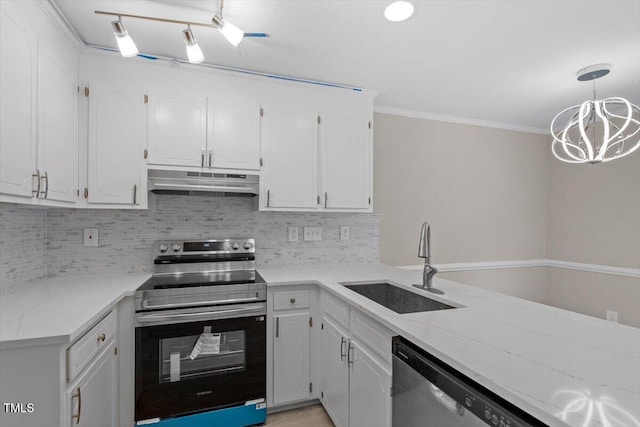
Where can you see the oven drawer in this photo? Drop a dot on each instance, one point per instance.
(286, 300)
(90, 344)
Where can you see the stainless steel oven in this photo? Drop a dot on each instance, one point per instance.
(201, 336)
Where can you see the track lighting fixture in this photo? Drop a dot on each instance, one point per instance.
(233, 34)
(125, 43)
(194, 53)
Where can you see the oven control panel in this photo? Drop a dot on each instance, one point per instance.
(204, 247)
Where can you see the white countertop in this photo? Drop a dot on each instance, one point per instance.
(564, 368)
(58, 310)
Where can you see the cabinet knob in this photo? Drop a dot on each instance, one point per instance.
(292, 300)
(102, 337)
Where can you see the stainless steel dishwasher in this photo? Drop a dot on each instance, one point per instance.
(429, 393)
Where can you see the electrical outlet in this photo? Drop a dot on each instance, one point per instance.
(293, 234)
(344, 232)
(313, 233)
(612, 316)
(91, 237)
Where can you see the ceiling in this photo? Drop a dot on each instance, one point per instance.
(508, 63)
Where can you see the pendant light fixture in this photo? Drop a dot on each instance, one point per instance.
(233, 34)
(596, 131)
(125, 44)
(194, 53)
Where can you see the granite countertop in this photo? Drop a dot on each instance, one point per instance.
(59, 310)
(564, 368)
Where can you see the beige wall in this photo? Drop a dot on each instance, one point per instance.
(594, 293)
(594, 212)
(495, 195)
(483, 191)
(529, 283)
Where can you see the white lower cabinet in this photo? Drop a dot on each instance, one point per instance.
(334, 372)
(92, 400)
(291, 358)
(355, 386)
(369, 389)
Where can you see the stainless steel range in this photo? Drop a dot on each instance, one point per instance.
(201, 335)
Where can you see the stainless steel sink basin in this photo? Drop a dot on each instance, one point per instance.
(395, 298)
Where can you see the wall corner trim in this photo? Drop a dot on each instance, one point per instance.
(496, 265)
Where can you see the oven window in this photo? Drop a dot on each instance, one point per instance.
(197, 356)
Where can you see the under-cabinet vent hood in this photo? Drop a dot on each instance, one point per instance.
(203, 183)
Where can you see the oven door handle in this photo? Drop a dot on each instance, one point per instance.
(207, 315)
(146, 305)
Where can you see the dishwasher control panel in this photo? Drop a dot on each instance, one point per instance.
(469, 396)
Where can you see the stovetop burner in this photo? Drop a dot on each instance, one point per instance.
(192, 280)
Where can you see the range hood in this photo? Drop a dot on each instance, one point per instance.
(203, 183)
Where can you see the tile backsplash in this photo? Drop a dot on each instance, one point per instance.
(23, 255)
(126, 236)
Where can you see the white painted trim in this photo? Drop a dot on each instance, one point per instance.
(56, 16)
(455, 119)
(496, 265)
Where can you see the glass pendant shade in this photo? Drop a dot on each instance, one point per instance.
(233, 34)
(194, 53)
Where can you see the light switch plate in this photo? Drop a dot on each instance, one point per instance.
(313, 233)
(344, 232)
(293, 234)
(91, 237)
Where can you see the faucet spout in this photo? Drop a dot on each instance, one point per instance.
(424, 251)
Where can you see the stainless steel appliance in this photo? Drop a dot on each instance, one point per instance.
(430, 393)
(200, 336)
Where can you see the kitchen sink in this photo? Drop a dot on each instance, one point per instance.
(395, 298)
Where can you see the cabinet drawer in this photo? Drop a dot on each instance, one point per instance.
(371, 333)
(286, 300)
(336, 309)
(83, 350)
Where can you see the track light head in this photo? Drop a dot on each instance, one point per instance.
(233, 34)
(125, 44)
(194, 53)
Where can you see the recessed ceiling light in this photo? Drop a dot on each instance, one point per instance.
(398, 11)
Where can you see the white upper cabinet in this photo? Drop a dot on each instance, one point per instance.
(58, 118)
(18, 72)
(177, 129)
(290, 148)
(234, 135)
(346, 161)
(116, 135)
(38, 145)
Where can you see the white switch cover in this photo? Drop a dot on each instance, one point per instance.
(293, 234)
(612, 316)
(344, 232)
(91, 237)
(313, 233)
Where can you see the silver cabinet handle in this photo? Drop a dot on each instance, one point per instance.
(325, 199)
(268, 197)
(79, 396)
(202, 158)
(342, 343)
(135, 194)
(37, 177)
(46, 184)
(292, 300)
(350, 354)
(210, 157)
(277, 327)
(102, 337)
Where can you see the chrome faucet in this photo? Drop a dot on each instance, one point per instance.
(429, 271)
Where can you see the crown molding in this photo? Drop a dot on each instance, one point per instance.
(460, 120)
(55, 15)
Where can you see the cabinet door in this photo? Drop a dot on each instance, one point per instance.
(369, 390)
(92, 399)
(291, 358)
(334, 373)
(116, 132)
(58, 118)
(290, 137)
(234, 135)
(346, 161)
(18, 71)
(177, 129)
